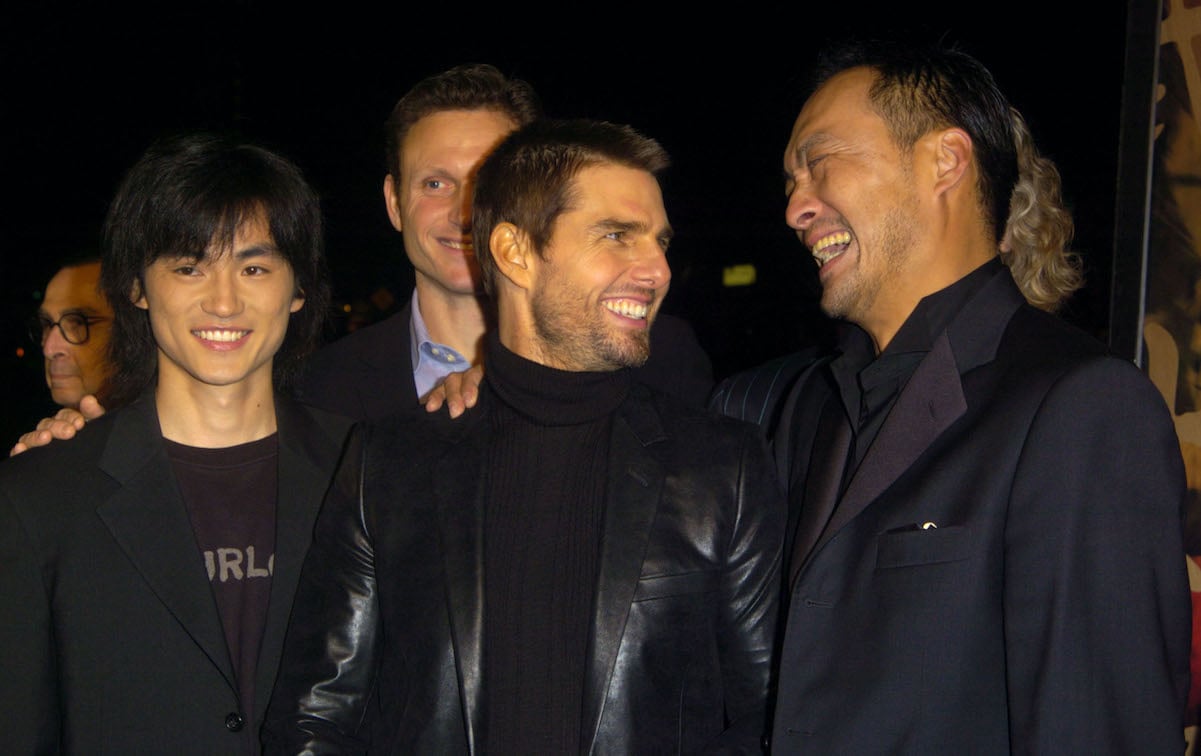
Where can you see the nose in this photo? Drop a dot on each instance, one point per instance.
(460, 210)
(54, 344)
(221, 297)
(803, 206)
(651, 269)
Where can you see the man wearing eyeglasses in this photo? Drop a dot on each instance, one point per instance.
(72, 325)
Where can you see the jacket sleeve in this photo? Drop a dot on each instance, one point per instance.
(1096, 600)
(329, 662)
(751, 598)
(28, 685)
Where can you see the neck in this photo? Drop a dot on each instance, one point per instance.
(923, 276)
(457, 320)
(213, 417)
(515, 330)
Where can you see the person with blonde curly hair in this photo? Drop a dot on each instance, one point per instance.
(1040, 228)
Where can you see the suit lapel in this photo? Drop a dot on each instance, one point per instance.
(929, 403)
(459, 486)
(308, 454)
(933, 398)
(147, 518)
(828, 463)
(635, 483)
(387, 369)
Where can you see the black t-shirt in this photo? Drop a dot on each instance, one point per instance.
(230, 496)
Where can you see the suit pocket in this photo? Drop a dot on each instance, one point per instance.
(664, 586)
(913, 548)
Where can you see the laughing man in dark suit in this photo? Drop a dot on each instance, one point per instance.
(987, 557)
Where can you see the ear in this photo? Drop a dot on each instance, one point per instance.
(297, 300)
(392, 202)
(137, 295)
(513, 253)
(952, 158)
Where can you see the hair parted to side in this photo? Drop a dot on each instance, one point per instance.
(920, 88)
(528, 180)
(184, 196)
(474, 86)
(1040, 228)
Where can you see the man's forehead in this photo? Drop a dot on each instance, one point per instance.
(841, 102)
(620, 189)
(75, 287)
(442, 133)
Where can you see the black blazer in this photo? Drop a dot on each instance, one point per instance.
(110, 641)
(384, 648)
(368, 374)
(1047, 608)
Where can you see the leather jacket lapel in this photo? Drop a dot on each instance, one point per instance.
(635, 485)
(459, 486)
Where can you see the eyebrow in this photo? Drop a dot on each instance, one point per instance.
(87, 312)
(804, 148)
(258, 250)
(609, 225)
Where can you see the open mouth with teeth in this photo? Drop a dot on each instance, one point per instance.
(220, 336)
(627, 308)
(830, 246)
(463, 245)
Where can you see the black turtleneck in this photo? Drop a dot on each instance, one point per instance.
(547, 466)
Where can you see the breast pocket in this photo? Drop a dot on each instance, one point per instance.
(666, 586)
(913, 548)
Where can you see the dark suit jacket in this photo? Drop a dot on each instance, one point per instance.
(1048, 609)
(764, 396)
(110, 641)
(368, 374)
(384, 647)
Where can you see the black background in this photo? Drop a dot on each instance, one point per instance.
(87, 86)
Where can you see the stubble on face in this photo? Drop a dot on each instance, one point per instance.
(854, 297)
(578, 337)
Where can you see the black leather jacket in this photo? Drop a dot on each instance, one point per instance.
(384, 648)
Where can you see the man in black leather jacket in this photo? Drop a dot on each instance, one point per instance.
(580, 564)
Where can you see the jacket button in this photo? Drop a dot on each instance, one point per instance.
(234, 721)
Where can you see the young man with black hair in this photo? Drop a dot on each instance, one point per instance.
(147, 567)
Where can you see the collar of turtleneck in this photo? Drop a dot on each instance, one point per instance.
(550, 396)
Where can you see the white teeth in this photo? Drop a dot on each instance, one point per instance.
(464, 245)
(221, 335)
(836, 239)
(627, 308)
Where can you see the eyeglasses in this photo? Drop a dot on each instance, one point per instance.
(74, 326)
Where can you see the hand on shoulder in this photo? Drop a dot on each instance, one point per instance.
(458, 391)
(63, 425)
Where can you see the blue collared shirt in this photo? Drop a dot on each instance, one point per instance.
(431, 361)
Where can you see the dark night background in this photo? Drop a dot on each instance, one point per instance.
(87, 86)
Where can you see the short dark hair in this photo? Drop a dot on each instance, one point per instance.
(475, 86)
(185, 193)
(528, 180)
(919, 88)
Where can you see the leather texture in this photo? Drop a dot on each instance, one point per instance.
(384, 651)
